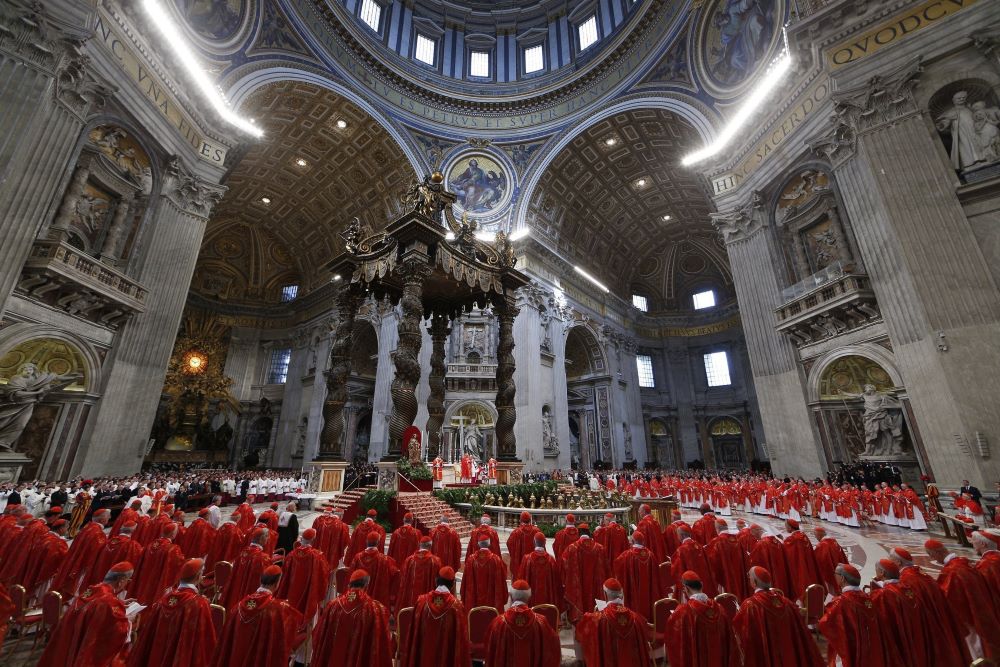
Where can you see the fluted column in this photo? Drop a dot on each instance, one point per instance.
(506, 310)
(47, 93)
(406, 359)
(435, 401)
(331, 439)
(115, 440)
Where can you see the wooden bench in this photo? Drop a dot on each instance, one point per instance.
(959, 526)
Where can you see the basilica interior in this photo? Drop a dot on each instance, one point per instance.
(575, 235)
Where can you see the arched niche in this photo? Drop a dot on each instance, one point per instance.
(966, 115)
(584, 356)
(458, 420)
(588, 396)
(53, 351)
(726, 434)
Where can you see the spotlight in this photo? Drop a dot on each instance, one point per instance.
(342, 124)
(265, 200)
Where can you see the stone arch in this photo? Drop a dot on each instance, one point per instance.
(18, 335)
(583, 348)
(458, 406)
(364, 346)
(869, 351)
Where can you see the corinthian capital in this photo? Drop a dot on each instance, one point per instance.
(988, 42)
(883, 99)
(192, 194)
(741, 222)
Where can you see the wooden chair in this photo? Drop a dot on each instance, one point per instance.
(342, 577)
(661, 613)
(223, 573)
(812, 609)
(550, 612)
(404, 621)
(730, 605)
(218, 618)
(21, 620)
(52, 608)
(983, 662)
(664, 571)
(479, 622)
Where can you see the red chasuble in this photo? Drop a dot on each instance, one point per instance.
(417, 576)
(850, 625)
(92, 633)
(305, 581)
(541, 571)
(262, 632)
(247, 568)
(226, 546)
(948, 644)
(747, 540)
(651, 530)
(247, 517)
(564, 538)
(522, 638)
(177, 631)
(484, 581)
(772, 633)
(332, 538)
(439, 636)
(612, 638)
(157, 571)
(482, 533)
(127, 515)
(639, 575)
(989, 567)
(519, 543)
(82, 554)
(613, 538)
(899, 612)
(730, 565)
(829, 554)
(116, 550)
(404, 543)
(768, 554)
(18, 555)
(970, 601)
(802, 568)
(46, 558)
(671, 538)
(704, 531)
(691, 556)
(359, 539)
(149, 530)
(447, 546)
(700, 635)
(353, 631)
(383, 573)
(584, 568)
(197, 539)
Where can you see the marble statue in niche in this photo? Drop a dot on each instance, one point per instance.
(474, 441)
(883, 421)
(19, 397)
(627, 439)
(550, 442)
(974, 130)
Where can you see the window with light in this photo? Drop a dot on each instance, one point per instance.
(704, 299)
(289, 292)
(586, 33)
(425, 50)
(277, 370)
(533, 59)
(371, 14)
(644, 364)
(640, 302)
(717, 369)
(479, 63)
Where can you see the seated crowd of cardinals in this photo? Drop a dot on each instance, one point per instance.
(704, 595)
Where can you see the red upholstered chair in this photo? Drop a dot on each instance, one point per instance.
(813, 604)
(218, 618)
(223, 573)
(51, 613)
(479, 622)
(668, 583)
(661, 613)
(22, 618)
(550, 612)
(342, 578)
(730, 605)
(404, 621)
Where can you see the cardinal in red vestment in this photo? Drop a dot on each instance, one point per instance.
(226, 546)
(699, 634)
(650, 529)
(691, 556)
(418, 574)
(615, 636)
(359, 538)
(703, 530)
(82, 555)
(612, 536)
(770, 628)
(246, 517)
(584, 568)
(128, 515)
(521, 638)
(446, 544)
(541, 571)
(247, 570)
(851, 626)
(947, 638)
(177, 631)
(198, 537)
(46, 557)
(729, 564)
(969, 599)
(521, 541)
(829, 554)
(147, 530)
(158, 568)
(898, 610)
(483, 531)
(566, 536)
(306, 577)
(94, 630)
(439, 634)
(749, 536)
(404, 541)
(803, 570)
(18, 554)
(10, 527)
(484, 579)
(120, 548)
(380, 570)
(769, 554)
(333, 536)
(262, 631)
(353, 630)
(986, 544)
(638, 573)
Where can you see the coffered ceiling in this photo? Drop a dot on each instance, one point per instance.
(601, 204)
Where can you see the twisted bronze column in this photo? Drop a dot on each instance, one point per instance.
(406, 360)
(331, 446)
(435, 402)
(506, 311)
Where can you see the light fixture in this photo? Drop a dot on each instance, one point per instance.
(265, 200)
(161, 19)
(590, 278)
(301, 162)
(342, 124)
(610, 141)
(519, 234)
(641, 183)
(666, 218)
(337, 278)
(775, 73)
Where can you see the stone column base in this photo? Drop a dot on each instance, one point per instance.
(11, 464)
(509, 472)
(327, 476)
(386, 475)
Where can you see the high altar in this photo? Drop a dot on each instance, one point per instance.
(434, 267)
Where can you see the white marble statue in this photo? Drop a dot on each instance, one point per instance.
(20, 395)
(883, 419)
(474, 441)
(628, 442)
(550, 443)
(974, 132)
